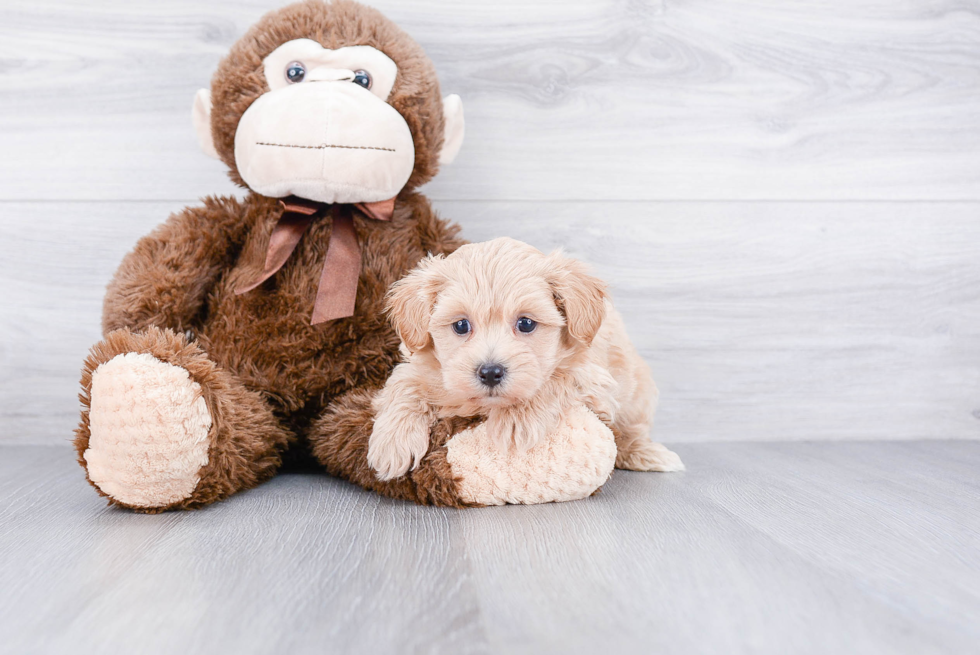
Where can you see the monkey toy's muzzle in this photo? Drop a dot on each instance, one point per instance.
(329, 141)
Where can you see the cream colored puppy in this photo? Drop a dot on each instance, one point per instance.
(501, 330)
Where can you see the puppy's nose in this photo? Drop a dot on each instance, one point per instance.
(491, 374)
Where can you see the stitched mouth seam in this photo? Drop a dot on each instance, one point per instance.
(321, 147)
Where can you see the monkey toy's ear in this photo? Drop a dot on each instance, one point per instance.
(452, 110)
(201, 115)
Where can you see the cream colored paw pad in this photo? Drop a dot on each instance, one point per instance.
(571, 463)
(149, 429)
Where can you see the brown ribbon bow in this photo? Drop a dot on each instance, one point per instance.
(337, 290)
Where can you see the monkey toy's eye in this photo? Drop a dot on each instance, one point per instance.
(363, 78)
(461, 327)
(526, 325)
(295, 72)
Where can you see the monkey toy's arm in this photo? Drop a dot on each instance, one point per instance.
(164, 280)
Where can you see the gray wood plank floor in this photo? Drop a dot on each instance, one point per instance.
(848, 547)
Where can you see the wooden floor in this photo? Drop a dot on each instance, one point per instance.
(847, 547)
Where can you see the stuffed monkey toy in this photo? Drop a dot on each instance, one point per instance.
(241, 333)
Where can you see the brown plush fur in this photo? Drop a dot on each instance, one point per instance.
(340, 442)
(270, 379)
(246, 440)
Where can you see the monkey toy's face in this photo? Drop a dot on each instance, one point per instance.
(325, 123)
(325, 131)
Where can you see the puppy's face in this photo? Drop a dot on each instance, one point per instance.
(498, 317)
(497, 341)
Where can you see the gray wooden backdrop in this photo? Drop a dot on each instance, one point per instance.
(784, 194)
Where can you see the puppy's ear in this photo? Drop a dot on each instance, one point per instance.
(580, 296)
(410, 301)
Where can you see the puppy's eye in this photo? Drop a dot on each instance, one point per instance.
(295, 72)
(363, 78)
(526, 325)
(461, 327)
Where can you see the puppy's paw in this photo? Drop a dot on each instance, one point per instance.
(395, 447)
(527, 435)
(646, 455)
(509, 429)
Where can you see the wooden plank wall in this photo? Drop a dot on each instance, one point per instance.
(784, 195)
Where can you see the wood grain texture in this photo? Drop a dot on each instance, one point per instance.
(578, 99)
(762, 321)
(803, 548)
(611, 128)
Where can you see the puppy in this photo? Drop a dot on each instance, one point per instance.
(500, 330)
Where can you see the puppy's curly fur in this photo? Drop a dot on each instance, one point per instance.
(459, 314)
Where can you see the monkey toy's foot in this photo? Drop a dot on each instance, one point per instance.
(572, 462)
(149, 428)
(164, 427)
